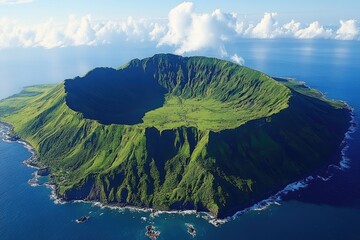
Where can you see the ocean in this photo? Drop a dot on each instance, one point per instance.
(327, 208)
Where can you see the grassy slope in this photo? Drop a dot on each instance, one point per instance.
(211, 94)
(18, 101)
(188, 163)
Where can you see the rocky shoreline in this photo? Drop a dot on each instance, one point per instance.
(33, 162)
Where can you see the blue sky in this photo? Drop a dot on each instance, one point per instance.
(186, 27)
(328, 12)
(140, 28)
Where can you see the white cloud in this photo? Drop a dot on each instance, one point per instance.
(130, 30)
(180, 20)
(185, 30)
(237, 59)
(46, 35)
(289, 29)
(76, 32)
(79, 31)
(189, 31)
(157, 31)
(348, 30)
(266, 28)
(13, 2)
(314, 30)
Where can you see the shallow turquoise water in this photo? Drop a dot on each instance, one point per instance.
(325, 210)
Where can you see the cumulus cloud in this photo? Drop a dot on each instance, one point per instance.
(79, 31)
(266, 28)
(348, 30)
(13, 2)
(237, 59)
(189, 31)
(185, 29)
(314, 30)
(289, 29)
(179, 23)
(47, 35)
(157, 31)
(76, 32)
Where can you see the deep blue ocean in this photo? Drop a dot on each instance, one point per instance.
(324, 210)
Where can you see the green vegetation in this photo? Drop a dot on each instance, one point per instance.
(19, 101)
(305, 90)
(233, 106)
(168, 91)
(185, 133)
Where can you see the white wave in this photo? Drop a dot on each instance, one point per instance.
(53, 196)
(5, 129)
(345, 162)
(34, 181)
(181, 212)
(325, 179)
(153, 213)
(217, 222)
(275, 199)
(114, 207)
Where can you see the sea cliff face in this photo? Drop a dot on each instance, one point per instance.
(178, 133)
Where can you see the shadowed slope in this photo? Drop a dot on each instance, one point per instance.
(110, 96)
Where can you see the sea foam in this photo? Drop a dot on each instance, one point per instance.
(275, 199)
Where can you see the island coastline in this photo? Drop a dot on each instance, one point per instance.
(275, 198)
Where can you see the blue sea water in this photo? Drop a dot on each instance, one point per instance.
(324, 210)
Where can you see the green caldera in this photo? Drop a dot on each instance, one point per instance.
(171, 132)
